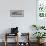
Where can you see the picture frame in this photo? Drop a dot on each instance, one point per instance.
(17, 13)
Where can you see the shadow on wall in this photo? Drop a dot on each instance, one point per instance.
(32, 30)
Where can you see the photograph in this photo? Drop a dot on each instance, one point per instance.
(17, 13)
(22, 22)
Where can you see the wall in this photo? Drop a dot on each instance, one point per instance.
(24, 23)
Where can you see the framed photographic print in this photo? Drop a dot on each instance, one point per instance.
(17, 13)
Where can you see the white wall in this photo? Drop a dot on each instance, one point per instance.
(24, 23)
